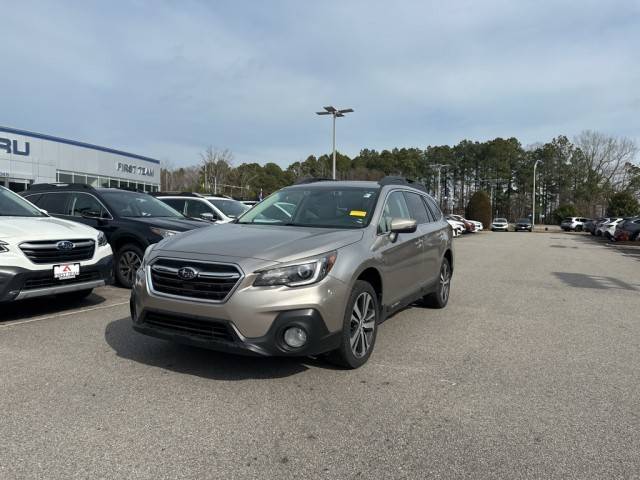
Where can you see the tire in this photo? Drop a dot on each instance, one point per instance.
(77, 295)
(354, 331)
(440, 297)
(579, 228)
(128, 260)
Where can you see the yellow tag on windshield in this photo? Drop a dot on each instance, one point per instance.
(358, 213)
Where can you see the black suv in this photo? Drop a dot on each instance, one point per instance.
(131, 220)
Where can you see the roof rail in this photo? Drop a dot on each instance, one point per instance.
(175, 194)
(59, 185)
(391, 180)
(306, 180)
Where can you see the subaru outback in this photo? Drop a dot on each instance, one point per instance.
(313, 269)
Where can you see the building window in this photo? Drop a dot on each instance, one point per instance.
(107, 182)
(65, 177)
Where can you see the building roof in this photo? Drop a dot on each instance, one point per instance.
(75, 143)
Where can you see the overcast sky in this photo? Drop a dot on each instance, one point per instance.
(166, 79)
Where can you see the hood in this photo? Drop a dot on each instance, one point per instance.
(45, 228)
(264, 242)
(177, 224)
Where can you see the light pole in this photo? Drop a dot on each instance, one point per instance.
(334, 113)
(533, 206)
(439, 166)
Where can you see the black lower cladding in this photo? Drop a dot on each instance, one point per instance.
(219, 335)
(13, 280)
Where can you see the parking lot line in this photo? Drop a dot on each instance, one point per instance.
(57, 315)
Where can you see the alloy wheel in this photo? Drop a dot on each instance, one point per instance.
(128, 265)
(445, 281)
(363, 324)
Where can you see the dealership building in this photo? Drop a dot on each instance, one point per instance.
(28, 157)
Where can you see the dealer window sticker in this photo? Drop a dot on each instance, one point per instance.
(358, 213)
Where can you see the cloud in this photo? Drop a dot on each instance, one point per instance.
(170, 79)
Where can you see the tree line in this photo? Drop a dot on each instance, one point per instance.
(580, 176)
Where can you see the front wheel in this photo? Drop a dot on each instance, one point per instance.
(440, 297)
(360, 326)
(128, 260)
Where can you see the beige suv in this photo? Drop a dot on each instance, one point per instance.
(312, 269)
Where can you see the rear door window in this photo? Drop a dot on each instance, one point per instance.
(433, 207)
(55, 203)
(175, 203)
(85, 204)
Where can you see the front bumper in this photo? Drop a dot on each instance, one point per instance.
(222, 335)
(523, 227)
(254, 317)
(17, 283)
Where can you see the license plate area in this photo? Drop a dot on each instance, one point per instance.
(66, 271)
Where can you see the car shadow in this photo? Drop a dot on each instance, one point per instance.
(35, 307)
(129, 344)
(581, 280)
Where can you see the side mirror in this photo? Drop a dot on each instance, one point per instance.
(208, 217)
(403, 225)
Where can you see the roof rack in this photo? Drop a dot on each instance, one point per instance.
(306, 180)
(391, 180)
(59, 185)
(176, 194)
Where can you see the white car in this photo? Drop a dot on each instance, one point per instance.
(458, 227)
(210, 208)
(478, 225)
(500, 225)
(42, 255)
(607, 228)
(573, 223)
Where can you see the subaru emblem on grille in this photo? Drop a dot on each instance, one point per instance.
(65, 245)
(187, 273)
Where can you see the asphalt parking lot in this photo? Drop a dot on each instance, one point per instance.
(532, 371)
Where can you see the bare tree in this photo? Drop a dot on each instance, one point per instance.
(606, 156)
(216, 166)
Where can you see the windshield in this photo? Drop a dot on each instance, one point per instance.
(500, 220)
(12, 205)
(315, 207)
(524, 220)
(231, 208)
(132, 205)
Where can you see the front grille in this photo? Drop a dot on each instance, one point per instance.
(46, 280)
(212, 282)
(210, 329)
(47, 251)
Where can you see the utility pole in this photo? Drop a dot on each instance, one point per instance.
(439, 166)
(334, 113)
(533, 206)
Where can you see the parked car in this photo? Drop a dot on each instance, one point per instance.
(628, 230)
(468, 225)
(500, 225)
(317, 279)
(573, 223)
(607, 227)
(40, 255)
(478, 225)
(130, 220)
(591, 225)
(210, 208)
(523, 224)
(457, 227)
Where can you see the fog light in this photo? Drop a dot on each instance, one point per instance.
(295, 337)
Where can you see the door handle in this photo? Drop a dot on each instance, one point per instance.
(419, 243)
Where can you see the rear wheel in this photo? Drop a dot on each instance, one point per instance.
(128, 260)
(579, 228)
(440, 297)
(360, 326)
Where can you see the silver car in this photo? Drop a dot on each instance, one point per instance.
(312, 269)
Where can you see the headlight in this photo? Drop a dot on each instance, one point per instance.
(162, 232)
(145, 257)
(3, 247)
(299, 274)
(102, 239)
